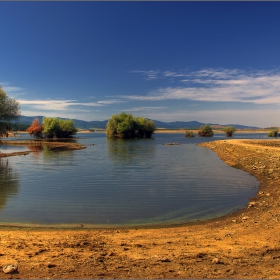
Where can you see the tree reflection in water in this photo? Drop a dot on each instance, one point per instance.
(9, 182)
(48, 154)
(36, 150)
(129, 150)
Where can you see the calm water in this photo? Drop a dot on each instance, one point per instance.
(121, 182)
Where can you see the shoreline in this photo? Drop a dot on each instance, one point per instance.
(242, 244)
(52, 145)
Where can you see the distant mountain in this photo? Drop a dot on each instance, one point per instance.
(240, 126)
(78, 123)
(177, 124)
(159, 124)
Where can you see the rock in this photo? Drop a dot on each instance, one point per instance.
(252, 204)
(51, 265)
(165, 260)
(245, 218)
(216, 261)
(10, 268)
(171, 144)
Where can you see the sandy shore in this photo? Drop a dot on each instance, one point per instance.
(244, 244)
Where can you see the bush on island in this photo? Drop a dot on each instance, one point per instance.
(36, 129)
(229, 130)
(52, 128)
(205, 131)
(127, 126)
(273, 133)
(189, 133)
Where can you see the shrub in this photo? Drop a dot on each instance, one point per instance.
(58, 128)
(145, 127)
(273, 133)
(36, 129)
(189, 133)
(229, 130)
(126, 126)
(205, 131)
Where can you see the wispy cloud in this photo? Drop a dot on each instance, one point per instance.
(149, 75)
(12, 91)
(63, 104)
(214, 85)
(110, 101)
(54, 104)
(143, 109)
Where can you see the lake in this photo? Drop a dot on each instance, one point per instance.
(119, 182)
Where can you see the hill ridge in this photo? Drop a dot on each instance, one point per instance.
(81, 124)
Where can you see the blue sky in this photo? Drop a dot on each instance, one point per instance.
(214, 62)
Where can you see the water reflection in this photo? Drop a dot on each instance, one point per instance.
(37, 150)
(127, 150)
(118, 181)
(9, 182)
(48, 154)
(52, 155)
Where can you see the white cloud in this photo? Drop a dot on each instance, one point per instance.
(109, 102)
(12, 91)
(220, 85)
(142, 109)
(61, 105)
(48, 105)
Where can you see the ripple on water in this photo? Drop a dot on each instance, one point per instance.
(121, 182)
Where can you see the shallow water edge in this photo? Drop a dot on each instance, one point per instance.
(107, 226)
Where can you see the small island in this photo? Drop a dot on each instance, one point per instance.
(127, 126)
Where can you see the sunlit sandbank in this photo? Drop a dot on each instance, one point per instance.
(244, 244)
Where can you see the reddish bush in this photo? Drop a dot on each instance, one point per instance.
(35, 129)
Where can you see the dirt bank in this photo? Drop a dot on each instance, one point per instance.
(52, 145)
(245, 244)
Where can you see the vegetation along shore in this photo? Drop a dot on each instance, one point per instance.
(52, 145)
(243, 244)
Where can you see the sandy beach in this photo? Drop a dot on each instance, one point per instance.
(243, 244)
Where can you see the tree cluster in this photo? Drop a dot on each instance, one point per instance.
(52, 128)
(205, 131)
(229, 130)
(189, 133)
(9, 111)
(127, 126)
(273, 133)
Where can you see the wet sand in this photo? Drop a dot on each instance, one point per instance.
(243, 244)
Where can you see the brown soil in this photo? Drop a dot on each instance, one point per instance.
(244, 244)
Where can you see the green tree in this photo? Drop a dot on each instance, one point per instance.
(9, 111)
(126, 126)
(273, 133)
(57, 128)
(205, 131)
(51, 127)
(229, 130)
(189, 133)
(145, 127)
(67, 128)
